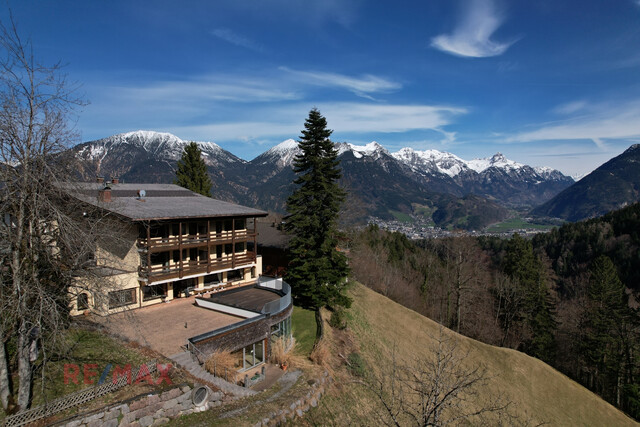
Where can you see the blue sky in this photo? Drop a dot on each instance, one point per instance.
(546, 82)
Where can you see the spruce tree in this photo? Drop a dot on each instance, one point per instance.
(317, 270)
(192, 172)
(537, 307)
(604, 340)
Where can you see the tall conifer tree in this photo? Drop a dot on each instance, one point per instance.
(192, 172)
(317, 270)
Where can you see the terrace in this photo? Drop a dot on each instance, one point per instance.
(168, 327)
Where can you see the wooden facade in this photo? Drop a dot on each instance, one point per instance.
(176, 249)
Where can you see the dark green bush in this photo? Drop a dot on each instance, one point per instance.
(338, 319)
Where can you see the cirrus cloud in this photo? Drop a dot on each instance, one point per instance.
(600, 123)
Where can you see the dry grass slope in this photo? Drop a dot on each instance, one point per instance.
(537, 392)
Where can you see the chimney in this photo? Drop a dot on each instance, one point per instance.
(104, 195)
(99, 179)
(115, 180)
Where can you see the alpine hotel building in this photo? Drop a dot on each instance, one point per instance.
(172, 243)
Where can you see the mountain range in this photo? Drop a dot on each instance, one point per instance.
(448, 189)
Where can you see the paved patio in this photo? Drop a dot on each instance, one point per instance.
(166, 326)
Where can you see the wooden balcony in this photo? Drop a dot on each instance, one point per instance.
(156, 273)
(161, 244)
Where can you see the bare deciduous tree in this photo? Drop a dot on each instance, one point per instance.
(46, 237)
(438, 388)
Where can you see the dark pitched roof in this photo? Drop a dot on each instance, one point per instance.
(161, 201)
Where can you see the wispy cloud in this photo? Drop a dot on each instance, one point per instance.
(362, 86)
(598, 124)
(231, 37)
(471, 36)
(209, 88)
(362, 118)
(345, 118)
(570, 107)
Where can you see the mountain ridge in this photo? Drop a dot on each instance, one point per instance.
(613, 185)
(432, 179)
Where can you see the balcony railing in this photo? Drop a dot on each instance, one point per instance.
(185, 241)
(155, 273)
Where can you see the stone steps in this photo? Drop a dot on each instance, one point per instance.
(186, 361)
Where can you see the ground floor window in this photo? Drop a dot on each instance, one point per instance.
(122, 298)
(153, 292)
(249, 356)
(212, 279)
(234, 275)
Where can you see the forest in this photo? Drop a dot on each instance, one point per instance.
(568, 297)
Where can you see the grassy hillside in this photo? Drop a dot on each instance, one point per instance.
(537, 393)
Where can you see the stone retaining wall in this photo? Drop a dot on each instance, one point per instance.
(151, 410)
(300, 406)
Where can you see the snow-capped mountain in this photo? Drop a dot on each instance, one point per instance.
(157, 144)
(282, 155)
(147, 156)
(372, 149)
(510, 182)
(432, 161)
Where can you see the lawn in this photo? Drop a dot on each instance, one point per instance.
(304, 330)
(83, 360)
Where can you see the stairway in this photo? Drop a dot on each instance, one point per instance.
(186, 361)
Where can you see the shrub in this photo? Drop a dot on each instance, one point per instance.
(219, 361)
(320, 354)
(338, 319)
(280, 350)
(357, 365)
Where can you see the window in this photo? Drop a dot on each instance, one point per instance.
(228, 225)
(218, 251)
(153, 292)
(83, 302)
(281, 329)
(252, 355)
(122, 298)
(212, 279)
(239, 247)
(234, 275)
(240, 224)
(228, 249)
